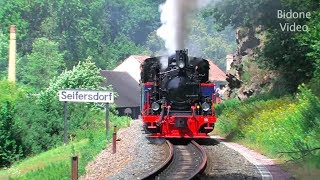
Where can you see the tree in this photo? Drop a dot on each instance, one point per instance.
(311, 40)
(3, 53)
(10, 136)
(85, 75)
(82, 28)
(120, 49)
(204, 40)
(134, 18)
(44, 63)
(245, 13)
(282, 50)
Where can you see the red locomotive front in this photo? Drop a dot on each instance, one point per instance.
(177, 100)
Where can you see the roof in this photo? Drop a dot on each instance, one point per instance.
(139, 58)
(215, 73)
(127, 88)
(132, 65)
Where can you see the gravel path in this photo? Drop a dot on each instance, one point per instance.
(225, 163)
(134, 157)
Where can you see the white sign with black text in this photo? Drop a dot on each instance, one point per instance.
(74, 95)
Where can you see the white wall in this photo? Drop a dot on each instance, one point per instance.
(131, 66)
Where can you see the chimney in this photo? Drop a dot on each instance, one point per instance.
(229, 60)
(12, 55)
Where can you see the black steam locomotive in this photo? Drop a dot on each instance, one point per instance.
(177, 98)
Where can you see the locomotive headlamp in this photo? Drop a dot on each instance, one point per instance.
(181, 64)
(205, 106)
(155, 106)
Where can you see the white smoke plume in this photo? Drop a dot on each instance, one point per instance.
(174, 19)
(164, 62)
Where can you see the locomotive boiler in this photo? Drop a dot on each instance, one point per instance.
(177, 99)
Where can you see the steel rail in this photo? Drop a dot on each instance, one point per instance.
(204, 160)
(164, 165)
(185, 161)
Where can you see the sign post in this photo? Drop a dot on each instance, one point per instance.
(74, 95)
(65, 123)
(107, 119)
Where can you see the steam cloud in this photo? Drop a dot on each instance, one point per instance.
(174, 19)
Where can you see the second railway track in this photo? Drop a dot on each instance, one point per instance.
(184, 162)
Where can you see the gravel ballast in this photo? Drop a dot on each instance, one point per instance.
(135, 156)
(225, 163)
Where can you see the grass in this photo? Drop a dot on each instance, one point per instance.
(56, 163)
(276, 125)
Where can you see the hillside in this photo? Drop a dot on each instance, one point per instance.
(274, 81)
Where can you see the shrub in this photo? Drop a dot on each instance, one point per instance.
(55, 163)
(10, 134)
(225, 105)
(277, 125)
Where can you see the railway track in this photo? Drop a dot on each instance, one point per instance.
(184, 162)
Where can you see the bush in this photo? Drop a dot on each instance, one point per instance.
(87, 145)
(225, 105)
(30, 124)
(277, 125)
(42, 130)
(10, 134)
(233, 121)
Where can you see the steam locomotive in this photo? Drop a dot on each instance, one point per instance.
(177, 100)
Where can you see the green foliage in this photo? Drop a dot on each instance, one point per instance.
(277, 125)
(82, 28)
(3, 53)
(41, 130)
(233, 121)
(282, 50)
(204, 40)
(44, 63)
(155, 44)
(34, 123)
(311, 40)
(252, 13)
(120, 48)
(226, 105)
(246, 13)
(10, 134)
(12, 12)
(83, 76)
(82, 115)
(309, 107)
(56, 164)
(133, 18)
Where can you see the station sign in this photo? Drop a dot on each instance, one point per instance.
(74, 95)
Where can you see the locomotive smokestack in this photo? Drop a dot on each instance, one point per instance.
(182, 58)
(12, 55)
